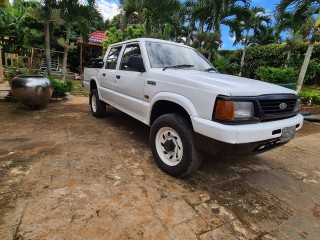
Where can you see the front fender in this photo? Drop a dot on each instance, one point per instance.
(171, 97)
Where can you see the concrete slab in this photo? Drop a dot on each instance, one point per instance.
(67, 175)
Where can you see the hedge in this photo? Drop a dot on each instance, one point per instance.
(277, 75)
(275, 55)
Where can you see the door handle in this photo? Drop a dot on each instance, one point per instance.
(103, 74)
(118, 76)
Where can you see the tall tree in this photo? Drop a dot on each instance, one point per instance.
(265, 35)
(210, 15)
(296, 29)
(155, 13)
(72, 11)
(48, 17)
(244, 24)
(299, 8)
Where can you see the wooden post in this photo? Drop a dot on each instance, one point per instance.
(1, 69)
(81, 71)
(31, 59)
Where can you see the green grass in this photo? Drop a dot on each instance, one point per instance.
(77, 88)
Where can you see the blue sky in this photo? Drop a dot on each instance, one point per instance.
(109, 8)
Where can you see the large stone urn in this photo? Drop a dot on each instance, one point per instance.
(31, 91)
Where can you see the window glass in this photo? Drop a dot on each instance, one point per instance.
(131, 50)
(113, 58)
(164, 55)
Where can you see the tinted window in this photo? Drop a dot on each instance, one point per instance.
(131, 50)
(113, 58)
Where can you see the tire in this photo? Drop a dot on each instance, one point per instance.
(180, 158)
(98, 108)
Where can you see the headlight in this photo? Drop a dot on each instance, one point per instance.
(233, 110)
(243, 110)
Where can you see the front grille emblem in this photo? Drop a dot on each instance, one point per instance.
(283, 106)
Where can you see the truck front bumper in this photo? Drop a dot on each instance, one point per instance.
(240, 140)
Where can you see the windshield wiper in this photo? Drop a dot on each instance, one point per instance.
(210, 69)
(179, 66)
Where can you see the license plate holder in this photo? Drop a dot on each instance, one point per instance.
(287, 134)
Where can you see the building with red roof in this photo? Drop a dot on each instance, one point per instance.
(94, 46)
(97, 37)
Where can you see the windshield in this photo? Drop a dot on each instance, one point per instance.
(162, 55)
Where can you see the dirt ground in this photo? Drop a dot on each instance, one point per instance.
(67, 175)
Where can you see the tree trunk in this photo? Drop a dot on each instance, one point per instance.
(304, 67)
(308, 55)
(243, 53)
(66, 51)
(47, 46)
(190, 29)
(210, 55)
(200, 31)
(242, 58)
(288, 57)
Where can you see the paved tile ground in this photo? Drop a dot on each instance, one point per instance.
(67, 175)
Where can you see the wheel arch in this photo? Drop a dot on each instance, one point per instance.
(93, 85)
(164, 103)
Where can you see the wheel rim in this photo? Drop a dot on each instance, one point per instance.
(94, 103)
(169, 146)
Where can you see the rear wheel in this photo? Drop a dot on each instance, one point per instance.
(98, 107)
(173, 145)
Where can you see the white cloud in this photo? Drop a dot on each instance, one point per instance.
(107, 9)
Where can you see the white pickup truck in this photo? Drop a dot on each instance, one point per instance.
(190, 106)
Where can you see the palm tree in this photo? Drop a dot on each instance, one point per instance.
(246, 20)
(210, 15)
(264, 36)
(299, 8)
(154, 12)
(72, 11)
(158, 13)
(295, 28)
(47, 10)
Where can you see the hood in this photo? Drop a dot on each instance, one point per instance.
(212, 81)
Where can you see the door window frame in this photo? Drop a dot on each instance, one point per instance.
(119, 57)
(123, 52)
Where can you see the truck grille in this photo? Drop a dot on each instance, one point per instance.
(278, 106)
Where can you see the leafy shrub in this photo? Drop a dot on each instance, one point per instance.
(310, 97)
(60, 88)
(10, 75)
(275, 55)
(313, 72)
(277, 75)
(223, 65)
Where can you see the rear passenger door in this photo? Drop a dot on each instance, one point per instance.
(107, 75)
(129, 83)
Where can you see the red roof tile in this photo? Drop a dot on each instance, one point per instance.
(97, 36)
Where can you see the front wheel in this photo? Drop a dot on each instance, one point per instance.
(173, 145)
(98, 108)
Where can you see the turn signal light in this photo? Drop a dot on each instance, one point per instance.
(224, 110)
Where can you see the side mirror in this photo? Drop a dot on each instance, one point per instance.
(136, 63)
